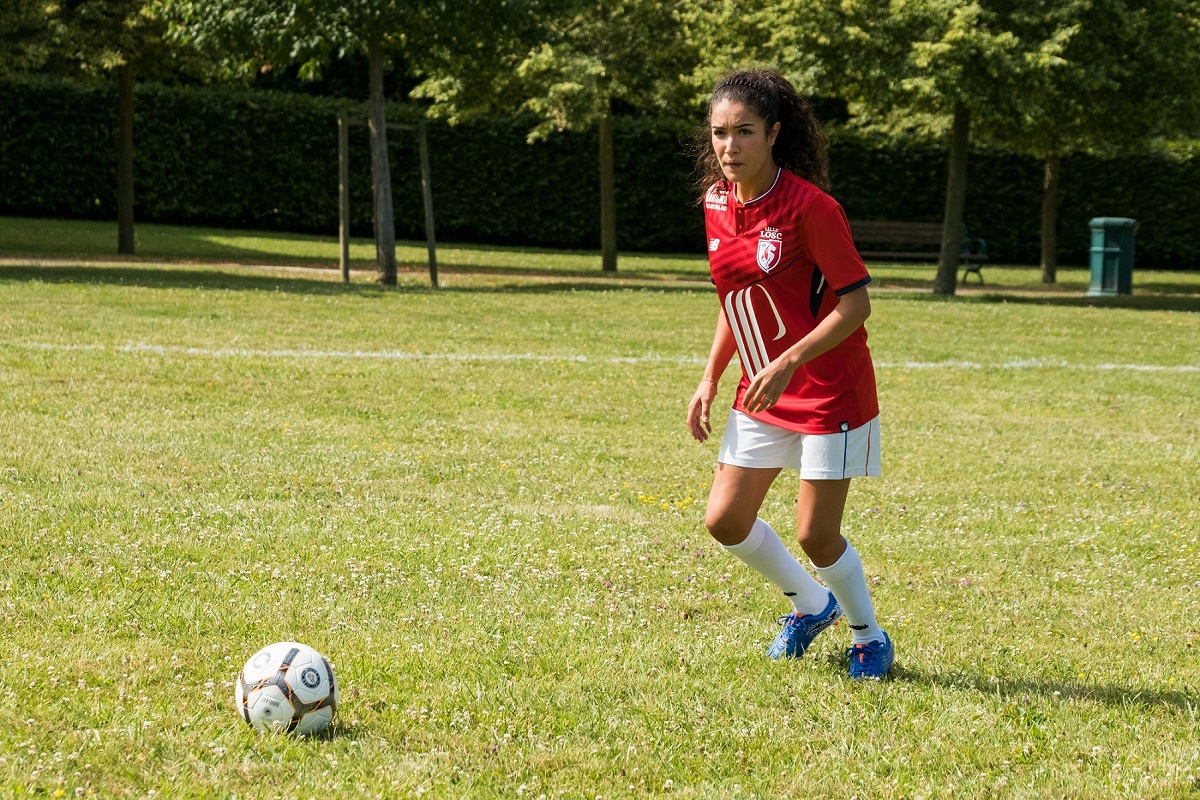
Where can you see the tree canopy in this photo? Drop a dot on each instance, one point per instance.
(251, 35)
(24, 40)
(1121, 75)
(574, 64)
(96, 39)
(1047, 79)
(1044, 78)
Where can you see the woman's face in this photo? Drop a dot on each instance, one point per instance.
(742, 142)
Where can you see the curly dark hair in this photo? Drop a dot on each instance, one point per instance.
(801, 146)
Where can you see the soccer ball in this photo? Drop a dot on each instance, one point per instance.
(287, 687)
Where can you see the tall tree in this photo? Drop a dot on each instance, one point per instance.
(113, 39)
(253, 34)
(1047, 78)
(582, 63)
(1125, 73)
(935, 65)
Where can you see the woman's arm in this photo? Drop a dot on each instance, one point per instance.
(852, 311)
(719, 355)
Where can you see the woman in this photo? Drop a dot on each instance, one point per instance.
(793, 302)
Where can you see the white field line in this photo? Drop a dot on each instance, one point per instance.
(399, 355)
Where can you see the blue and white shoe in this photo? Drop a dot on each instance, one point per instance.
(871, 661)
(799, 631)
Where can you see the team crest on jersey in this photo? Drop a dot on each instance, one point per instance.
(770, 248)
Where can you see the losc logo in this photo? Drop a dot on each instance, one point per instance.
(770, 249)
(768, 254)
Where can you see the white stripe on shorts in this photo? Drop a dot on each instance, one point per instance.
(751, 443)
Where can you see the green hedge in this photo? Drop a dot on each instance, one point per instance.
(268, 160)
(905, 179)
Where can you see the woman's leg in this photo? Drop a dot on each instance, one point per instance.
(731, 516)
(819, 509)
(820, 505)
(737, 494)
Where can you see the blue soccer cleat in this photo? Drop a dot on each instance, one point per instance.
(799, 631)
(873, 660)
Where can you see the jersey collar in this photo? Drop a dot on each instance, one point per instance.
(778, 172)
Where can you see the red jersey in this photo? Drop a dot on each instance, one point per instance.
(778, 262)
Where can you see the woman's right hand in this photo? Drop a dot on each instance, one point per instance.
(699, 409)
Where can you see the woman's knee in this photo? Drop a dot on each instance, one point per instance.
(822, 545)
(727, 525)
(815, 531)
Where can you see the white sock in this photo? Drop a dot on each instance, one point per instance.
(845, 578)
(764, 552)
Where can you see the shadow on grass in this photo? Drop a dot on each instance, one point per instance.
(1161, 296)
(167, 278)
(524, 281)
(88, 241)
(1022, 689)
(1158, 296)
(500, 258)
(1135, 302)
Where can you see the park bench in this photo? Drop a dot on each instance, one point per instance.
(914, 240)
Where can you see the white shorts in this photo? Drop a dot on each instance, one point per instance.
(818, 456)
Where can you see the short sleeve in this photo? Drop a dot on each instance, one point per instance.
(826, 233)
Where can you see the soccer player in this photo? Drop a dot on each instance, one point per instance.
(793, 293)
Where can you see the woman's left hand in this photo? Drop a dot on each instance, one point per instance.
(699, 409)
(767, 386)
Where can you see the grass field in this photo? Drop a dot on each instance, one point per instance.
(482, 505)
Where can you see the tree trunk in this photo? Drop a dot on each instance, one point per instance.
(125, 244)
(381, 172)
(608, 194)
(1050, 218)
(956, 200)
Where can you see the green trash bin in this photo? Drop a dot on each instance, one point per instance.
(1112, 256)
